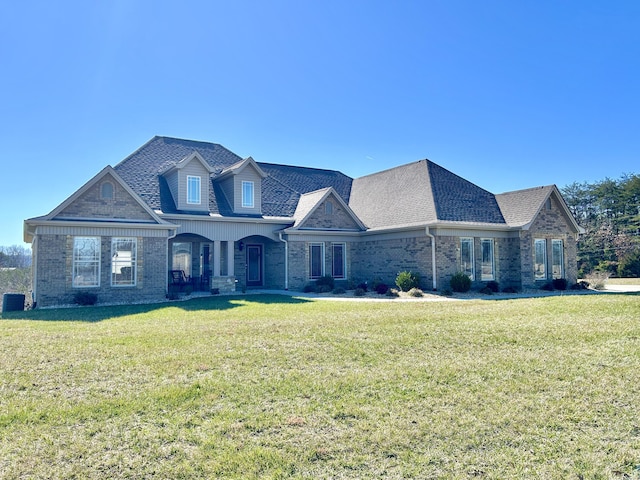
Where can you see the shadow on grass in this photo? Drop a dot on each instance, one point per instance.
(100, 313)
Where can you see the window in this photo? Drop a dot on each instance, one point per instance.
(557, 258)
(106, 191)
(466, 257)
(181, 258)
(193, 190)
(316, 260)
(540, 259)
(123, 261)
(247, 194)
(86, 262)
(487, 272)
(328, 208)
(338, 260)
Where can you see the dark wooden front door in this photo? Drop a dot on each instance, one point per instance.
(254, 265)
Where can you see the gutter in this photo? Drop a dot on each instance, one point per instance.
(434, 270)
(286, 260)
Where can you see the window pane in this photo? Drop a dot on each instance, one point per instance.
(540, 263)
(86, 262)
(316, 266)
(182, 257)
(466, 257)
(247, 194)
(193, 190)
(338, 260)
(487, 259)
(557, 258)
(123, 261)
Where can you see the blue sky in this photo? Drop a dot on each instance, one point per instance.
(507, 94)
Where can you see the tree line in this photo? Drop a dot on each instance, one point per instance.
(609, 211)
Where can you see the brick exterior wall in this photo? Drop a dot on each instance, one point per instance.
(549, 224)
(336, 218)
(91, 204)
(54, 282)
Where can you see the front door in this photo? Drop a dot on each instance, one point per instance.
(254, 265)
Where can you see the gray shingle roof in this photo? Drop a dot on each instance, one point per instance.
(521, 206)
(281, 189)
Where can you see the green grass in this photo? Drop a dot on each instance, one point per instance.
(273, 387)
(624, 281)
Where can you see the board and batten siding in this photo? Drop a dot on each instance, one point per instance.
(230, 231)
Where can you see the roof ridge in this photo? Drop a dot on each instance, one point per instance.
(397, 167)
(540, 187)
(300, 167)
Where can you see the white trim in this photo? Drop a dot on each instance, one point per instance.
(248, 201)
(545, 273)
(472, 259)
(74, 262)
(483, 277)
(197, 192)
(133, 261)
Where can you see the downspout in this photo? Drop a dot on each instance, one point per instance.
(434, 270)
(286, 261)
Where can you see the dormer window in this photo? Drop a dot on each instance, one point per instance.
(247, 194)
(193, 190)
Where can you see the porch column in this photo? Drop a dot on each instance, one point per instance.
(231, 253)
(216, 258)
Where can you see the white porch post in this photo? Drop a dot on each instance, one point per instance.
(231, 249)
(216, 258)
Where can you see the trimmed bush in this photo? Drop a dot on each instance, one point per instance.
(486, 291)
(493, 286)
(326, 281)
(581, 285)
(547, 286)
(381, 288)
(407, 280)
(392, 292)
(362, 286)
(309, 288)
(338, 291)
(416, 292)
(323, 289)
(85, 298)
(560, 283)
(359, 292)
(510, 290)
(373, 285)
(460, 282)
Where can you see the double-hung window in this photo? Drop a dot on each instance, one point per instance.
(488, 265)
(193, 190)
(86, 262)
(338, 260)
(540, 259)
(557, 258)
(123, 262)
(247, 194)
(466, 257)
(316, 260)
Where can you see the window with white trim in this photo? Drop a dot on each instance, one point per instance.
(123, 262)
(466, 257)
(488, 265)
(316, 260)
(338, 264)
(193, 190)
(557, 258)
(247, 194)
(86, 262)
(540, 259)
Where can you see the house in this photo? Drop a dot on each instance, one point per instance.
(182, 214)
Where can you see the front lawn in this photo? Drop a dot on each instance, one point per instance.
(275, 387)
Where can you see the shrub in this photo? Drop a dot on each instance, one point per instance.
(309, 288)
(447, 292)
(359, 292)
(486, 290)
(493, 286)
(375, 283)
(547, 286)
(598, 280)
(326, 281)
(323, 289)
(407, 280)
(510, 289)
(339, 291)
(85, 298)
(381, 288)
(581, 285)
(560, 283)
(362, 286)
(460, 282)
(392, 292)
(416, 292)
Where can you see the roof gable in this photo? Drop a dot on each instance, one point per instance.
(86, 202)
(238, 168)
(193, 156)
(310, 214)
